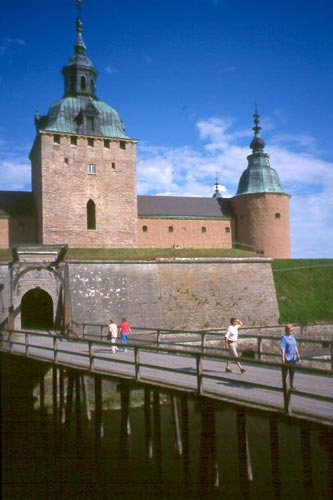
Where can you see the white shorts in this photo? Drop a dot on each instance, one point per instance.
(233, 349)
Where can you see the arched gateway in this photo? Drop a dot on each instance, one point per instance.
(37, 310)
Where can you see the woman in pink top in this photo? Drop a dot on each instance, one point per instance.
(124, 331)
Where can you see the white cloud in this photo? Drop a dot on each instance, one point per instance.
(8, 43)
(15, 174)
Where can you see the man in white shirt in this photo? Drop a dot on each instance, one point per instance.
(230, 342)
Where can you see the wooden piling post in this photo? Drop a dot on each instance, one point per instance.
(55, 396)
(208, 472)
(178, 438)
(85, 397)
(124, 424)
(42, 398)
(61, 396)
(245, 467)
(157, 431)
(185, 439)
(78, 405)
(148, 432)
(275, 456)
(98, 412)
(69, 400)
(307, 460)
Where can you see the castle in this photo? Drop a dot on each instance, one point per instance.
(83, 170)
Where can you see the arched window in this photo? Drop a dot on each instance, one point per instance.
(203, 229)
(145, 229)
(83, 83)
(91, 215)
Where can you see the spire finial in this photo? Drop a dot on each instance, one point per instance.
(217, 193)
(257, 143)
(79, 5)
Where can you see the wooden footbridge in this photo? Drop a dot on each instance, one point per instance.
(176, 364)
(192, 365)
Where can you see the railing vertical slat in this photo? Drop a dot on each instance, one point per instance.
(199, 373)
(137, 362)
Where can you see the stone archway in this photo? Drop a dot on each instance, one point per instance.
(37, 310)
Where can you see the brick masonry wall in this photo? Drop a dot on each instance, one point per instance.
(263, 223)
(62, 171)
(187, 233)
(4, 232)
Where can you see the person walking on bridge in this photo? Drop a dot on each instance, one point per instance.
(230, 342)
(113, 330)
(124, 331)
(289, 353)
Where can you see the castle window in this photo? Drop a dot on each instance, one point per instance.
(107, 143)
(227, 229)
(278, 215)
(113, 165)
(90, 142)
(73, 140)
(56, 139)
(92, 169)
(83, 83)
(203, 229)
(66, 162)
(122, 145)
(145, 229)
(170, 229)
(91, 215)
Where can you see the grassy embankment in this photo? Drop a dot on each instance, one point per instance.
(304, 287)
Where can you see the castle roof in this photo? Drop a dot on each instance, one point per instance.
(182, 207)
(69, 115)
(259, 177)
(17, 203)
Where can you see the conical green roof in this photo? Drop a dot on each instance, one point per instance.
(259, 177)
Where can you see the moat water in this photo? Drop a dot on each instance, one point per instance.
(38, 465)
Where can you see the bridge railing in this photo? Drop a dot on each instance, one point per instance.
(95, 357)
(262, 343)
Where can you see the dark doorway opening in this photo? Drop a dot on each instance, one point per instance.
(36, 310)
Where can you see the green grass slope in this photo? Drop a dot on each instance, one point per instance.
(304, 289)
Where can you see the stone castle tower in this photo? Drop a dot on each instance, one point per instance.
(83, 166)
(261, 206)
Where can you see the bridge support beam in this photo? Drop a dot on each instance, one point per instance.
(148, 431)
(245, 467)
(157, 432)
(208, 473)
(275, 456)
(185, 439)
(98, 412)
(307, 460)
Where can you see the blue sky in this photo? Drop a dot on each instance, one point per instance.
(184, 76)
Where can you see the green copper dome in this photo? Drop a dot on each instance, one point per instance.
(259, 177)
(85, 116)
(80, 112)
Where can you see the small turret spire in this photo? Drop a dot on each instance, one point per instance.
(80, 75)
(217, 193)
(257, 144)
